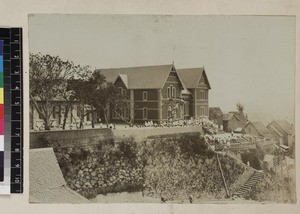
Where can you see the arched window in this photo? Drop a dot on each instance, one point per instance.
(145, 95)
(174, 93)
(171, 89)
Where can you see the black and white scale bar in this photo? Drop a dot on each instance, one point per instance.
(16, 107)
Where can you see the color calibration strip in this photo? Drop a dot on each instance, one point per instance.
(13, 110)
(5, 184)
(1, 115)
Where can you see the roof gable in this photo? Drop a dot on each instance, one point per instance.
(191, 77)
(273, 129)
(238, 115)
(260, 128)
(215, 111)
(123, 78)
(145, 77)
(227, 116)
(285, 126)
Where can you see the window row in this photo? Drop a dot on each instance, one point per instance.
(203, 95)
(203, 110)
(171, 93)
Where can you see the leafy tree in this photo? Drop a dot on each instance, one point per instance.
(80, 92)
(118, 105)
(48, 81)
(105, 96)
(102, 94)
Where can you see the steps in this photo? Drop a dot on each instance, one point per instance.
(252, 181)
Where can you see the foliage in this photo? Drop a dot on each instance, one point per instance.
(49, 76)
(173, 168)
(253, 157)
(195, 146)
(103, 95)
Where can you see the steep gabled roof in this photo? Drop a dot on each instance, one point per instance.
(260, 128)
(124, 78)
(215, 111)
(191, 76)
(285, 126)
(238, 115)
(227, 116)
(145, 77)
(273, 128)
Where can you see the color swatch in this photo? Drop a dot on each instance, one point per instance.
(1, 115)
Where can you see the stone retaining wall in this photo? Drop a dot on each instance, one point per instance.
(67, 138)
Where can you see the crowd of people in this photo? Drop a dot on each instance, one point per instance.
(209, 126)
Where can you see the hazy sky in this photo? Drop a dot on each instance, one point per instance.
(250, 59)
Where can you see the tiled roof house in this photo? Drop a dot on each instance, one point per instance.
(153, 90)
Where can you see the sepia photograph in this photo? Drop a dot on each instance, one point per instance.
(184, 109)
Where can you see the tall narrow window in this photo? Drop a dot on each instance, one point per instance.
(169, 93)
(202, 111)
(120, 90)
(145, 95)
(174, 93)
(202, 95)
(145, 113)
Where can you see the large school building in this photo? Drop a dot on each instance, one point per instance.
(156, 93)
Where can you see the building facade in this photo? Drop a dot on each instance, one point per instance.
(283, 132)
(258, 129)
(156, 93)
(160, 93)
(234, 120)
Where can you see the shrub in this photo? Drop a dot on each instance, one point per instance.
(252, 157)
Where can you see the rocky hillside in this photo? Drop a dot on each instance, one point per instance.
(172, 169)
(177, 169)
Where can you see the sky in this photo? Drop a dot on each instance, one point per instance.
(248, 59)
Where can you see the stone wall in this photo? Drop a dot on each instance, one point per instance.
(101, 168)
(67, 138)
